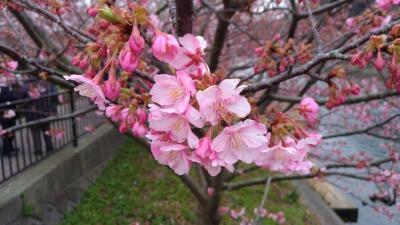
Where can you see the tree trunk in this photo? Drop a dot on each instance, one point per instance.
(208, 211)
(208, 216)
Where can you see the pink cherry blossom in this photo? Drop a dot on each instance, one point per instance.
(9, 114)
(240, 141)
(282, 158)
(173, 91)
(12, 65)
(7, 77)
(128, 59)
(288, 156)
(90, 128)
(168, 152)
(177, 124)
(165, 47)
(139, 129)
(57, 133)
(237, 213)
(351, 22)
(113, 112)
(223, 100)
(190, 57)
(309, 109)
(386, 4)
(208, 158)
(34, 92)
(89, 88)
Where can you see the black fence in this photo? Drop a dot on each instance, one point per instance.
(41, 127)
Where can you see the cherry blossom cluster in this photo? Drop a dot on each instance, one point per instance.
(189, 114)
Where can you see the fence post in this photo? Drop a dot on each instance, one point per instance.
(73, 120)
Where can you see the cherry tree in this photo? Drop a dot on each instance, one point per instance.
(226, 87)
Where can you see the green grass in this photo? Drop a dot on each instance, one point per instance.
(134, 187)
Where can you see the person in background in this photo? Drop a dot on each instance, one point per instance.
(39, 108)
(7, 118)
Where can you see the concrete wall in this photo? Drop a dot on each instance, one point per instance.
(41, 195)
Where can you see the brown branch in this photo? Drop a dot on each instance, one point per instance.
(320, 58)
(262, 180)
(42, 40)
(325, 8)
(81, 37)
(209, 6)
(352, 100)
(219, 37)
(363, 131)
(31, 64)
(352, 165)
(200, 195)
(184, 17)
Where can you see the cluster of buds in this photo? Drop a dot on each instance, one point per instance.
(394, 68)
(375, 44)
(340, 87)
(370, 19)
(378, 44)
(276, 55)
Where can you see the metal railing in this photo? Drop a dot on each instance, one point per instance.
(41, 127)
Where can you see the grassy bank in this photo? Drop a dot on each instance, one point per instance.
(134, 187)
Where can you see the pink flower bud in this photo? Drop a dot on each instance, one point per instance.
(355, 89)
(258, 51)
(123, 128)
(76, 60)
(379, 62)
(83, 63)
(92, 11)
(128, 60)
(210, 191)
(136, 41)
(141, 115)
(111, 89)
(103, 24)
(351, 22)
